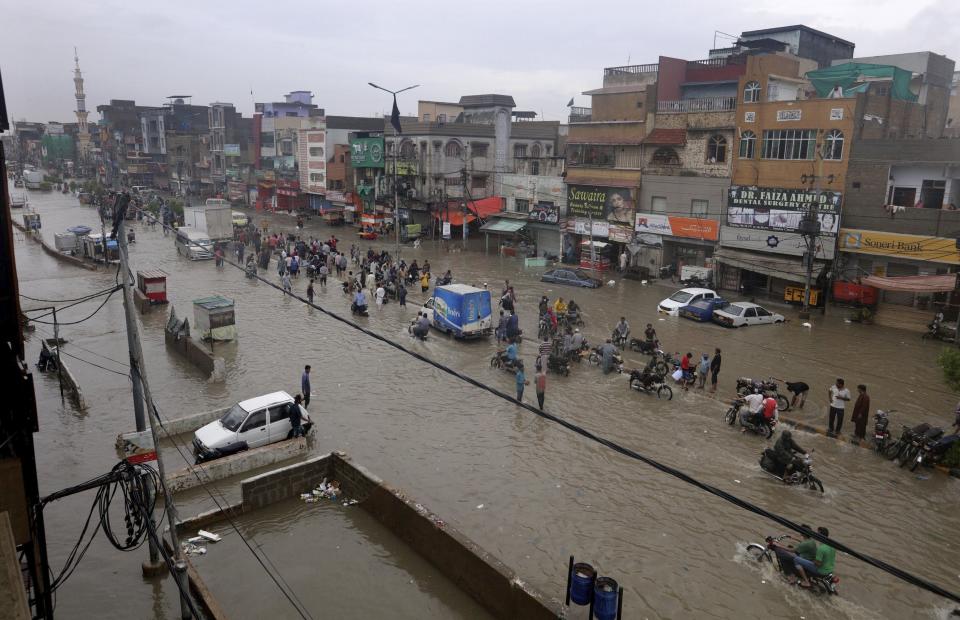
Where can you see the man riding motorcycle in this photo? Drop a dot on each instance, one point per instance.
(621, 331)
(559, 308)
(360, 301)
(786, 452)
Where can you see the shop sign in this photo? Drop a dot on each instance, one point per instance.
(366, 153)
(789, 115)
(688, 227)
(913, 247)
(600, 227)
(614, 204)
(446, 230)
(620, 234)
(779, 242)
(231, 150)
(781, 209)
(544, 213)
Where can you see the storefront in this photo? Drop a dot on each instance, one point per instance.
(762, 249)
(677, 241)
(543, 228)
(598, 213)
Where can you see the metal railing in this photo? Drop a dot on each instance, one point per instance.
(702, 104)
(631, 69)
(580, 114)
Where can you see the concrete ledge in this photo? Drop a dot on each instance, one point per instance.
(202, 520)
(235, 464)
(201, 594)
(196, 353)
(54, 252)
(190, 423)
(143, 304)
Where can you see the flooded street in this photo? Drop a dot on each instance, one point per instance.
(545, 492)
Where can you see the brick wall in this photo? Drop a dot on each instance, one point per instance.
(284, 483)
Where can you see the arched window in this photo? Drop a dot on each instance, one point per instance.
(535, 150)
(833, 147)
(665, 156)
(748, 144)
(407, 150)
(751, 92)
(453, 149)
(717, 150)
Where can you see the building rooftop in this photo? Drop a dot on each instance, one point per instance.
(360, 123)
(484, 101)
(819, 33)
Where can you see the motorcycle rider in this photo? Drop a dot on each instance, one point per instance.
(513, 326)
(754, 403)
(421, 326)
(607, 353)
(785, 452)
(621, 330)
(544, 304)
(512, 355)
(806, 549)
(573, 310)
(559, 308)
(823, 564)
(576, 342)
(650, 334)
(360, 301)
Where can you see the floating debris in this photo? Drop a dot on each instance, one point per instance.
(192, 549)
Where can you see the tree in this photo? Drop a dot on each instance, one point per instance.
(949, 362)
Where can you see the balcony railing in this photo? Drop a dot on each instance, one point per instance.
(631, 69)
(702, 104)
(580, 114)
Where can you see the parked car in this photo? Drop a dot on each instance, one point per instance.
(248, 424)
(684, 297)
(574, 277)
(702, 309)
(742, 313)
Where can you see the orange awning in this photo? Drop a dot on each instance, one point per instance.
(484, 207)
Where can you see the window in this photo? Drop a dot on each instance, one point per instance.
(478, 149)
(534, 168)
(286, 147)
(266, 140)
(291, 113)
(341, 158)
(256, 420)
(931, 193)
(833, 149)
(441, 118)
(316, 177)
(665, 156)
(521, 205)
(453, 149)
(407, 150)
(519, 150)
(748, 144)
(750, 313)
(153, 126)
(717, 150)
(789, 143)
(762, 311)
(699, 208)
(278, 413)
(535, 150)
(548, 150)
(751, 92)
(316, 151)
(591, 155)
(658, 204)
(478, 182)
(426, 117)
(629, 157)
(451, 181)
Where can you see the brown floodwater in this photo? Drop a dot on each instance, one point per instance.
(524, 488)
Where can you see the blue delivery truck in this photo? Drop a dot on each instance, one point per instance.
(461, 310)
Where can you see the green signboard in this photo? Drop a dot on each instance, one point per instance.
(366, 152)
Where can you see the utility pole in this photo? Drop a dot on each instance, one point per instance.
(810, 229)
(141, 391)
(396, 190)
(466, 196)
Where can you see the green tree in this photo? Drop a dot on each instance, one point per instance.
(949, 362)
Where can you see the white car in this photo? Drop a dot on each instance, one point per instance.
(743, 313)
(248, 424)
(685, 296)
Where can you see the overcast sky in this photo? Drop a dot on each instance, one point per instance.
(540, 52)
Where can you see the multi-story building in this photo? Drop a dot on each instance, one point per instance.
(795, 139)
(799, 41)
(312, 158)
(231, 151)
(276, 126)
(953, 110)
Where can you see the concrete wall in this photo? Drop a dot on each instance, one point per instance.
(630, 106)
(680, 193)
(196, 353)
(235, 464)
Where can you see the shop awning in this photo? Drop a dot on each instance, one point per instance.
(597, 244)
(913, 284)
(484, 208)
(773, 265)
(499, 225)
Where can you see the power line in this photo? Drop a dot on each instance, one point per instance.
(89, 316)
(676, 473)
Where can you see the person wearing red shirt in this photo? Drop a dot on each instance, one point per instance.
(769, 409)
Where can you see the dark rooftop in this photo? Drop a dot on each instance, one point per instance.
(483, 101)
(752, 33)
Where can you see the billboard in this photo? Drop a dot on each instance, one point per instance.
(231, 150)
(545, 213)
(913, 247)
(780, 209)
(687, 227)
(780, 242)
(614, 204)
(366, 152)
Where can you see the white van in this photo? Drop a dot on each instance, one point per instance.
(248, 424)
(193, 243)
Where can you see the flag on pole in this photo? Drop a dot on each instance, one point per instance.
(395, 116)
(570, 104)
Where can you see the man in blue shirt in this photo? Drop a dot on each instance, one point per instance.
(305, 385)
(512, 351)
(513, 326)
(360, 301)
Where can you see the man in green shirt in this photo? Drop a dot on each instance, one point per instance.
(807, 549)
(823, 563)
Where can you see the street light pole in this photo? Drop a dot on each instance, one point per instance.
(396, 158)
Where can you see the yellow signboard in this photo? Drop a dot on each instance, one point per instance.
(914, 247)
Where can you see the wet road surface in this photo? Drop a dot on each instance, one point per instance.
(546, 493)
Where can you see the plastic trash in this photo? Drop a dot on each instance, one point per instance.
(209, 536)
(479, 506)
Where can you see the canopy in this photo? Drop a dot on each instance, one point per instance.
(852, 78)
(503, 226)
(913, 284)
(773, 265)
(484, 208)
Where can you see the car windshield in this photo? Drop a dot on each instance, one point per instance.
(734, 309)
(582, 275)
(232, 419)
(681, 297)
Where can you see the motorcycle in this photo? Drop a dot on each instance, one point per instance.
(251, 270)
(933, 451)
(697, 281)
(649, 382)
(558, 364)
(648, 347)
(578, 354)
(825, 584)
(801, 475)
(500, 360)
(619, 339)
(570, 319)
(596, 358)
(413, 331)
(938, 329)
(918, 443)
(768, 387)
(358, 310)
(545, 329)
(763, 428)
(881, 432)
(896, 449)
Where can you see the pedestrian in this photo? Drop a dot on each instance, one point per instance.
(544, 351)
(521, 380)
(540, 381)
(861, 413)
(714, 370)
(799, 390)
(702, 370)
(838, 397)
(281, 267)
(425, 282)
(501, 329)
(286, 282)
(310, 291)
(402, 294)
(294, 415)
(623, 261)
(380, 297)
(305, 385)
(323, 275)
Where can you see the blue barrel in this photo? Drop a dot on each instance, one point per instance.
(581, 582)
(605, 594)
